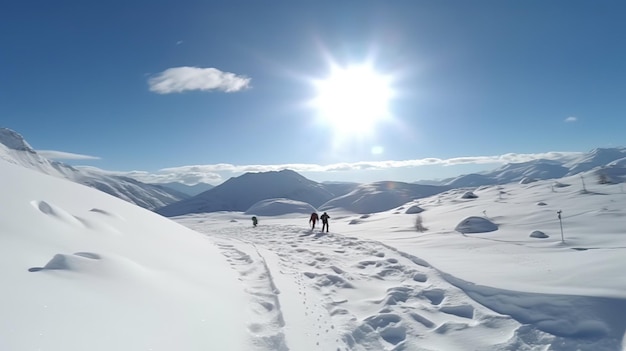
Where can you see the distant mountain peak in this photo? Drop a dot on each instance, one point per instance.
(14, 140)
(240, 193)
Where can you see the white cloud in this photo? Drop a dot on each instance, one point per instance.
(61, 155)
(189, 175)
(180, 79)
(214, 174)
(571, 119)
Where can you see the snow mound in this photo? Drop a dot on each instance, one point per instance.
(279, 206)
(539, 234)
(527, 180)
(380, 196)
(476, 225)
(414, 209)
(469, 195)
(68, 262)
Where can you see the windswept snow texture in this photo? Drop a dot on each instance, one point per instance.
(374, 283)
(331, 291)
(82, 270)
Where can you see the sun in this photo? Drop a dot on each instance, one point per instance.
(353, 99)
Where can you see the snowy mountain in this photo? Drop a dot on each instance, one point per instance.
(340, 188)
(191, 190)
(539, 169)
(511, 173)
(381, 196)
(614, 172)
(470, 180)
(240, 193)
(595, 158)
(14, 149)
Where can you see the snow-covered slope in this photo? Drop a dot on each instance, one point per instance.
(83, 270)
(14, 149)
(595, 158)
(614, 172)
(538, 169)
(489, 272)
(381, 196)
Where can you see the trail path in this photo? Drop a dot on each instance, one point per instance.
(325, 291)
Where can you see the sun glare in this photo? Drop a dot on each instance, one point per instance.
(353, 99)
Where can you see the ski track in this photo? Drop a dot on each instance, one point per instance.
(412, 306)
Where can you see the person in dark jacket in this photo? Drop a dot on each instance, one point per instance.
(255, 221)
(314, 218)
(325, 217)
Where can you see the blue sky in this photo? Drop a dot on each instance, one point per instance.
(232, 86)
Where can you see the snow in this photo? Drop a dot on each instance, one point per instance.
(539, 234)
(414, 209)
(83, 270)
(279, 206)
(618, 163)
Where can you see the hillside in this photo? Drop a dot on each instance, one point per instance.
(14, 149)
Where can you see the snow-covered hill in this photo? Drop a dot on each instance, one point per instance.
(486, 272)
(82, 270)
(14, 149)
(539, 169)
(595, 158)
(381, 196)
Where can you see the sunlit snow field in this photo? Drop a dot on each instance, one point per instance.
(83, 270)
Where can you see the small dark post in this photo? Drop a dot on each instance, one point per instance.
(561, 223)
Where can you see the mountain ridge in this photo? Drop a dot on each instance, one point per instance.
(14, 149)
(242, 192)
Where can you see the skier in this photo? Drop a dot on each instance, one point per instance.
(314, 218)
(325, 217)
(255, 221)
